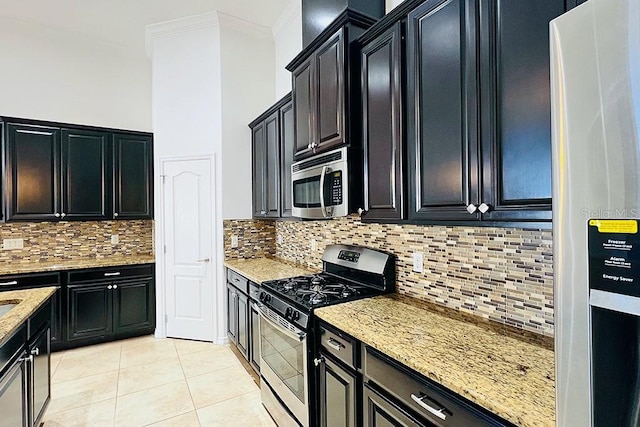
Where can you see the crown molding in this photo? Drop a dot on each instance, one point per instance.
(180, 25)
(289, 15)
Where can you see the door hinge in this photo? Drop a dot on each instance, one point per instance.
(165, 249)
(166, 318)
(164, 178)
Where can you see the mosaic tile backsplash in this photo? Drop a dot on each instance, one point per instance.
(501, 274)
(52, 241)
(256, 238)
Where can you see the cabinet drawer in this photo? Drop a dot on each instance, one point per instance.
(28, 281)
(423, 397)
(238, 281)
(109, 273)
(340, 345)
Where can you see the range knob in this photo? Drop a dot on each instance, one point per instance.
(295, 315)
(288, 312)
(261, 296)
(267, 298)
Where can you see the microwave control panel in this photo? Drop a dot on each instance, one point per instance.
(336, 188)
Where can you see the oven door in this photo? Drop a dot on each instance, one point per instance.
(283, 364)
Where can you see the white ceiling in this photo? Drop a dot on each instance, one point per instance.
(123, 22)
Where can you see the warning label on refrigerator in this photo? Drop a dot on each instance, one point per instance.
(614, 256)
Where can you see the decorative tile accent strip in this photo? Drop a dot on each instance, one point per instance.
(501, 274)
(57, 241)
(256, 238)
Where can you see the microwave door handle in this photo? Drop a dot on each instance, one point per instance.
(322, 174)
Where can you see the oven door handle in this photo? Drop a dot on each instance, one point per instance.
(297, 334)
(322, 206)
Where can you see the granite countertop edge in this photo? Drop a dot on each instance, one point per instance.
(29, 300)
(73, 264)
(511, 377)
(263, 269)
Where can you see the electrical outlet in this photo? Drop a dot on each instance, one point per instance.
(280, 239)
(418, 262)
(115, 239)
(313, 244)
(234, 241)
(8, 244)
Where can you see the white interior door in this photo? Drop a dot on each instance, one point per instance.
(188, 238)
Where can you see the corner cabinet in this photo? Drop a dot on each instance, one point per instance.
(272, 156)
(58, 172)
(479, 129)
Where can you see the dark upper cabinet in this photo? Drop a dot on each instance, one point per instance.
(66, 173)
(32, 172)
(287, 149)
(132, 176)
(273, 148)
(326, 87)
(319, 98)
(266, 167)
(85, 174)
(478, 110)
(442, 91)
(516, 114)
(382, 135)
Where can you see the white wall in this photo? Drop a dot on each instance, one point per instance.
(390, 4)
(247, 61)
(59, 76)
(287, 35)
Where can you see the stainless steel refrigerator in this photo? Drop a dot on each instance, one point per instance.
(595, 79)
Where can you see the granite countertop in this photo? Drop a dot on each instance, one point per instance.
(73, 264)
(28, 301)
(507, 375)
(263, 269)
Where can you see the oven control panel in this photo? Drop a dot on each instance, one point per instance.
(351, 256)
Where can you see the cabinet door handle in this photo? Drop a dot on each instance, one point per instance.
(472, 208)
(115, 214)
(62, 215)
(13, 282)
(115, 286)
(35, 351)
(57, 215)
(437, 412)
(29, 359)
(263, 212)
(361, 211)
(318, 361)
(336, 345)
(116, 273)
(484, 208)
(109, 287)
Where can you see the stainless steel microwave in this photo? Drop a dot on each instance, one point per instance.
(320, 186)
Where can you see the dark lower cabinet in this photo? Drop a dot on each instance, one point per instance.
(238, 329)
(90, 311)
(108, 303)
(380, 412)
(25, 371)
(254, 341)
(338, 388)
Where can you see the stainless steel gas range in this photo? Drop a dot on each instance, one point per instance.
(286, 330)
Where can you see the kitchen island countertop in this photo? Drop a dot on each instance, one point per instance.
(260, 270)
(28, 300)
(72, 264)
(508, 375)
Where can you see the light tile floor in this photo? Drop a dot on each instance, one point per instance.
(146, 381)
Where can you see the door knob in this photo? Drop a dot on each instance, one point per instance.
(204, 260)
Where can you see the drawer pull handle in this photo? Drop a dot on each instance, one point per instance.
(334, 344)
(437, 412)
(117, 273)
(13, 282)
